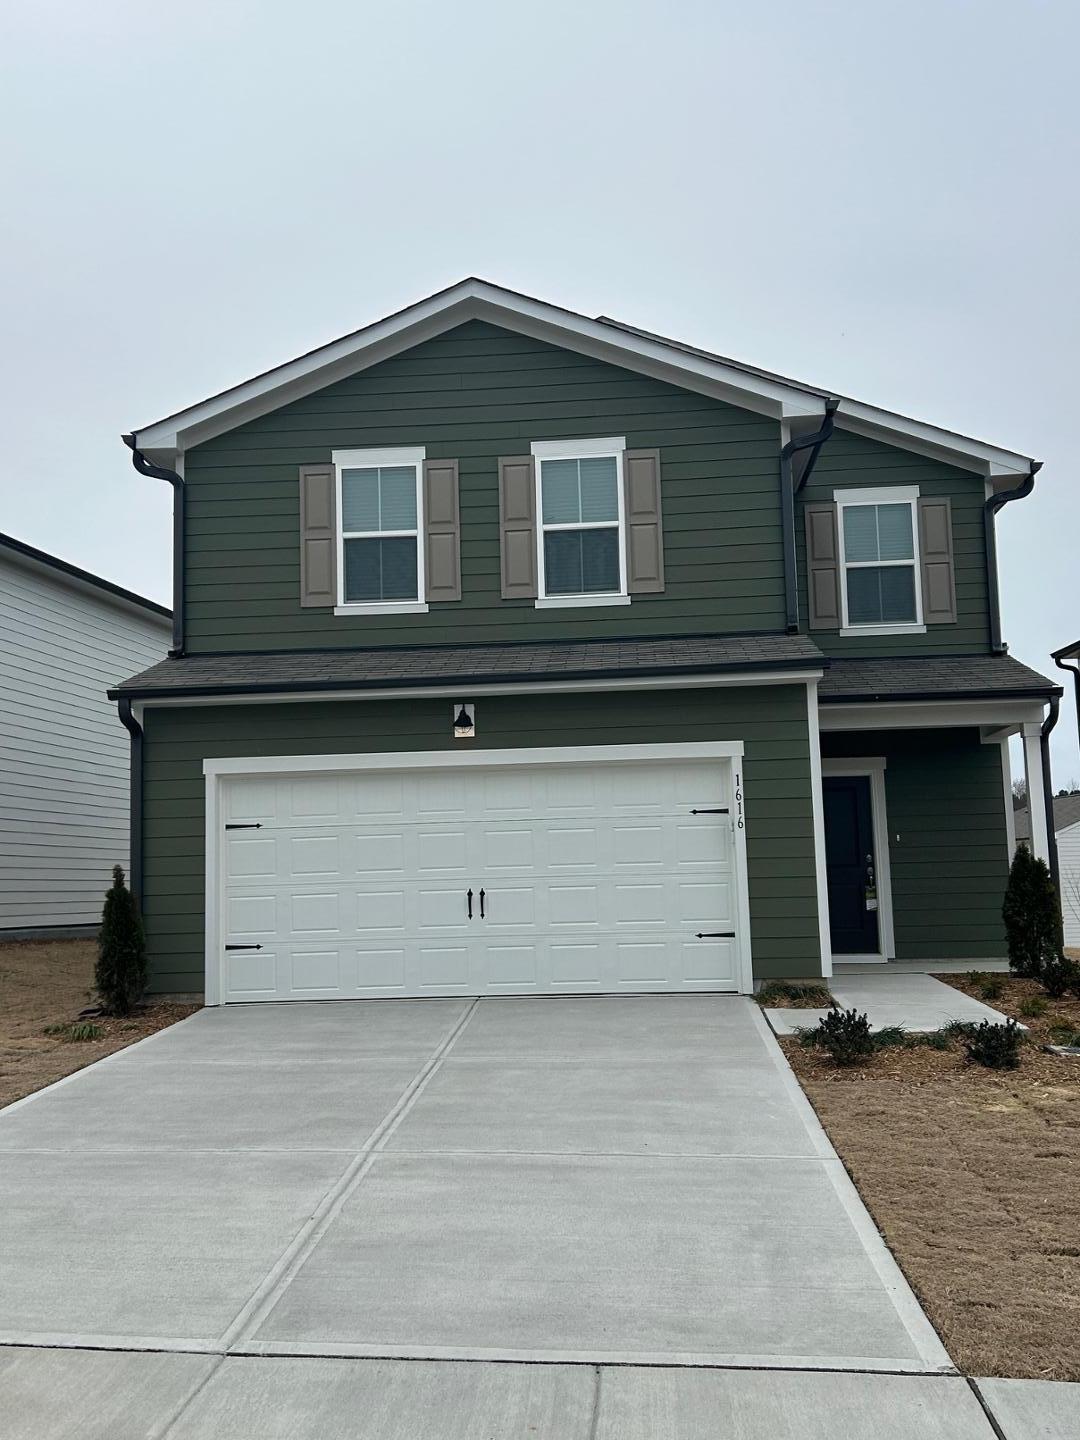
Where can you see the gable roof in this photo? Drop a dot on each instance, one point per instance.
(81, 578)
(1066, 813)
(800, 405)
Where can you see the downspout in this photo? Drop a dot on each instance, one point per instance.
(135, 797)
(1048, 791)
(1059, 658)
(158, 472)
(992, 506)
(793, 476)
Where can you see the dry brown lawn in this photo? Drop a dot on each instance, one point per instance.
(47, 982)
(973, 1177)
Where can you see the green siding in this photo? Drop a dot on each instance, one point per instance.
(474, 394)
(947, 839)
(849, 461)
(771, 720)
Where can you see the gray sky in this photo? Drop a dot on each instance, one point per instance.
(878, 197)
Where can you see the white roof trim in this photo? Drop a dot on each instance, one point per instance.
(474, 299)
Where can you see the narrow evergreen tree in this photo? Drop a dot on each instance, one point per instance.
(1031, 913)
(120, 972)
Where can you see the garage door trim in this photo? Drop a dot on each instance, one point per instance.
(218, 770)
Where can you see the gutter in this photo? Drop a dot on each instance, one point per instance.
(990, 509)
(135, 796)
(158, 472)
(793, 476)
(1059, 657)
(1048, 792)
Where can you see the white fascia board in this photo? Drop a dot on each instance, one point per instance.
(990, 461)
(479, 690)
(929, 714)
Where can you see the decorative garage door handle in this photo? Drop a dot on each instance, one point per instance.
(243, 947)
(245, 825)
(715, 935)
(468, 897)
(481, 904)
(723, 810)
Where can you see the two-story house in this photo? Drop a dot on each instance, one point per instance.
(518, 652)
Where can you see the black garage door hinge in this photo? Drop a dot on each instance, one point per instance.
(703, 935)
(243, 947)
(723, 811)
(245, 825)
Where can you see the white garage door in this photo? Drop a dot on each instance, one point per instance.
(517, 879)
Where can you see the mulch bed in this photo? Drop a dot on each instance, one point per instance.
(973, 1177)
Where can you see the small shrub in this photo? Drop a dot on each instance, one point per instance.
(1031, 912)
(81, 1031)
(120, 972)
(935, 1040)
(1058, 974)
(993, 988)
(846, 1035)
(1032, 1006)
(958, 1029)
(1065, 1034)
(996, 1046)
(781, 993)
(889, 1037)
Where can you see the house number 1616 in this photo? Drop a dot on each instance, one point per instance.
(738, 800)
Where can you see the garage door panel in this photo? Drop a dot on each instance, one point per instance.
(594, 876)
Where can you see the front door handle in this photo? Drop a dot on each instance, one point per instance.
(468, 897)
(481, 904)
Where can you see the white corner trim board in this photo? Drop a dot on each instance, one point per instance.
(412, 830)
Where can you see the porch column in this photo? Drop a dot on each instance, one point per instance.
(1036, 793)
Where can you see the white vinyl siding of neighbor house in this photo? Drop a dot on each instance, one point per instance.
(64, 755)
(1068, 843)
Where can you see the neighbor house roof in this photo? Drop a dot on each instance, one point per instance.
(1066, 813)
(946, 677)
(800, 405)
(74, 573)
(409, 666)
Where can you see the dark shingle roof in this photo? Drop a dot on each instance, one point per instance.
(409, 666)
(946, 677)
(1066, 813)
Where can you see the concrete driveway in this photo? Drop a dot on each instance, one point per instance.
(585, 1182)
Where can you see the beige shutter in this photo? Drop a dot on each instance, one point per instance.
(822, 567)
(644, 522)
(517, 527)
(938, 569)
(318, 538)
(442, 530)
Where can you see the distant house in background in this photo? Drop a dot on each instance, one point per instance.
(66, 636)
(1067, 828)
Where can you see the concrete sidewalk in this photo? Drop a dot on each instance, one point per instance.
(917, 1003)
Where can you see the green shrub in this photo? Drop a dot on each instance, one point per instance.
(846, 1035)
(996, 1046)
(1032, 914)
(934, 1040)
(74, 1034)
(889, 1037)
(1032, 1006)
(1058, 974)
(992, 988)
(781, 993)
(120, 972)
(958, 1029)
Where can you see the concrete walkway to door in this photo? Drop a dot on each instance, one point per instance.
(262, 1193)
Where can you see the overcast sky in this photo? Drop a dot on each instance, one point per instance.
(875, 197)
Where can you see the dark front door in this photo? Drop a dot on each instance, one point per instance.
(849, 864)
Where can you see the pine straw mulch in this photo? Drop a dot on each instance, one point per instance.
(973, 1177)
(47, 982)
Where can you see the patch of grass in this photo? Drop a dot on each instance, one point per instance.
(996, 1046)
(889, 1036)
(77, 1034)
(959, 1029)
(788, 994)
(1032, 1006)
(1064, 1035)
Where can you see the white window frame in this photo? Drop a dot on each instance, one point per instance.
(415, 456)
(881, 495)
(612, 447)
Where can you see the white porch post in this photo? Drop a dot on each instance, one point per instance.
(1010, 814)
(817, 802)
(1040, 841)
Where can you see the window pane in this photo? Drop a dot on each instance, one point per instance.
(860, 532)
(881, 597)
(562, 562)
(397, 487)
(380, 569)
(599, 488)
(581, 562)
(560, 495)
(894, 533)
(359, 500)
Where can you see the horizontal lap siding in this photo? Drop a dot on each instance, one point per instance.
(473, 395)
(948, 847)
(771, 721)
(849, 462)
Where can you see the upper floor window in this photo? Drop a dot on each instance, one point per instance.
(581, 550)
(380, 527)
(879, 560)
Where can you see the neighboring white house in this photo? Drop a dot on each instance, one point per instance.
(1067, 829)
(65, 637)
